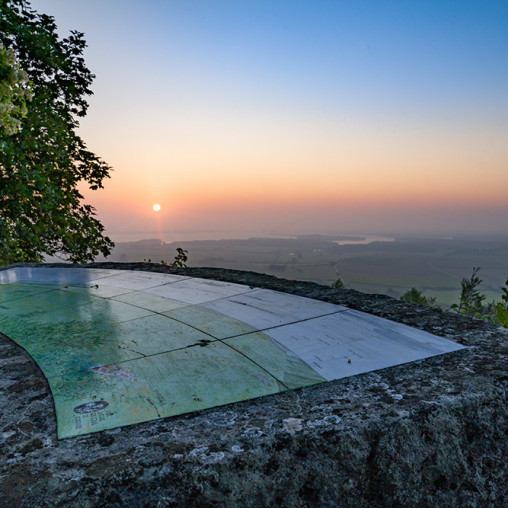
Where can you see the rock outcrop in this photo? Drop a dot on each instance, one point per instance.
(428, 433)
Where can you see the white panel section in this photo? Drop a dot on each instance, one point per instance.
(263, 308)
(197, 291)
(334, 341)
(137, 281)
(352, 342)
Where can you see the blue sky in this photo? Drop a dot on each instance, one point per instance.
(300, 110)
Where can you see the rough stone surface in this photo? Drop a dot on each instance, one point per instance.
(429, 433)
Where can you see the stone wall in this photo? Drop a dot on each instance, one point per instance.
(429, 433)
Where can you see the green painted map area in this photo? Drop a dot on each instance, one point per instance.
(120, 347)
(115, 357)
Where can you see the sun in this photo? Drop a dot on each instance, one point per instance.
(156, 207)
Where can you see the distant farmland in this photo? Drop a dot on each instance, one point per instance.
(434, 266)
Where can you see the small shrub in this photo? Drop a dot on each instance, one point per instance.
(338, 284)
(415, 296)
(180, 260)
(501, 308)
(471, 300)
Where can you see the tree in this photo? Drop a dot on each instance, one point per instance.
(339, 284)
(415, 296)
(471, 300)
(180, 260)
(13, 93)
(501, 308)
(42, 159)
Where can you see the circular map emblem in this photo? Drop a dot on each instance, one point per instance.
(90, 407)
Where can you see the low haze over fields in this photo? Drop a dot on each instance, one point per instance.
(434, 266)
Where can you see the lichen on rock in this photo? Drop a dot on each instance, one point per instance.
(428, 433)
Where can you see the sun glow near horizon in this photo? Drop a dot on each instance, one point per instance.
(278, 114)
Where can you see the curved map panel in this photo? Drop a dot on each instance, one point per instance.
(122, 347)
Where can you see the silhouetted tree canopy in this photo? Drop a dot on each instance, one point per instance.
(44, 84)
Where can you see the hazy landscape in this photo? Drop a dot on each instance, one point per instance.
(435, 266)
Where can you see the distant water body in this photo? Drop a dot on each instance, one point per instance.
(366, 240)
(189, 236)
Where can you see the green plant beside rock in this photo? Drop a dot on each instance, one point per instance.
(415, 296)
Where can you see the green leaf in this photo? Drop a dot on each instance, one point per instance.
(44, 85)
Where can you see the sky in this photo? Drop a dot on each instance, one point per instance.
(266, 117)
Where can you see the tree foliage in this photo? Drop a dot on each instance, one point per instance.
(180, 260)
(415, 296)
(471, 300)
(14, 92)
(472, 304)
(501, 308)
(339, 284)
(42, 159)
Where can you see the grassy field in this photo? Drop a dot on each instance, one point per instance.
(435, 267)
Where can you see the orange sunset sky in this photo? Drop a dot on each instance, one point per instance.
(272, 117)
